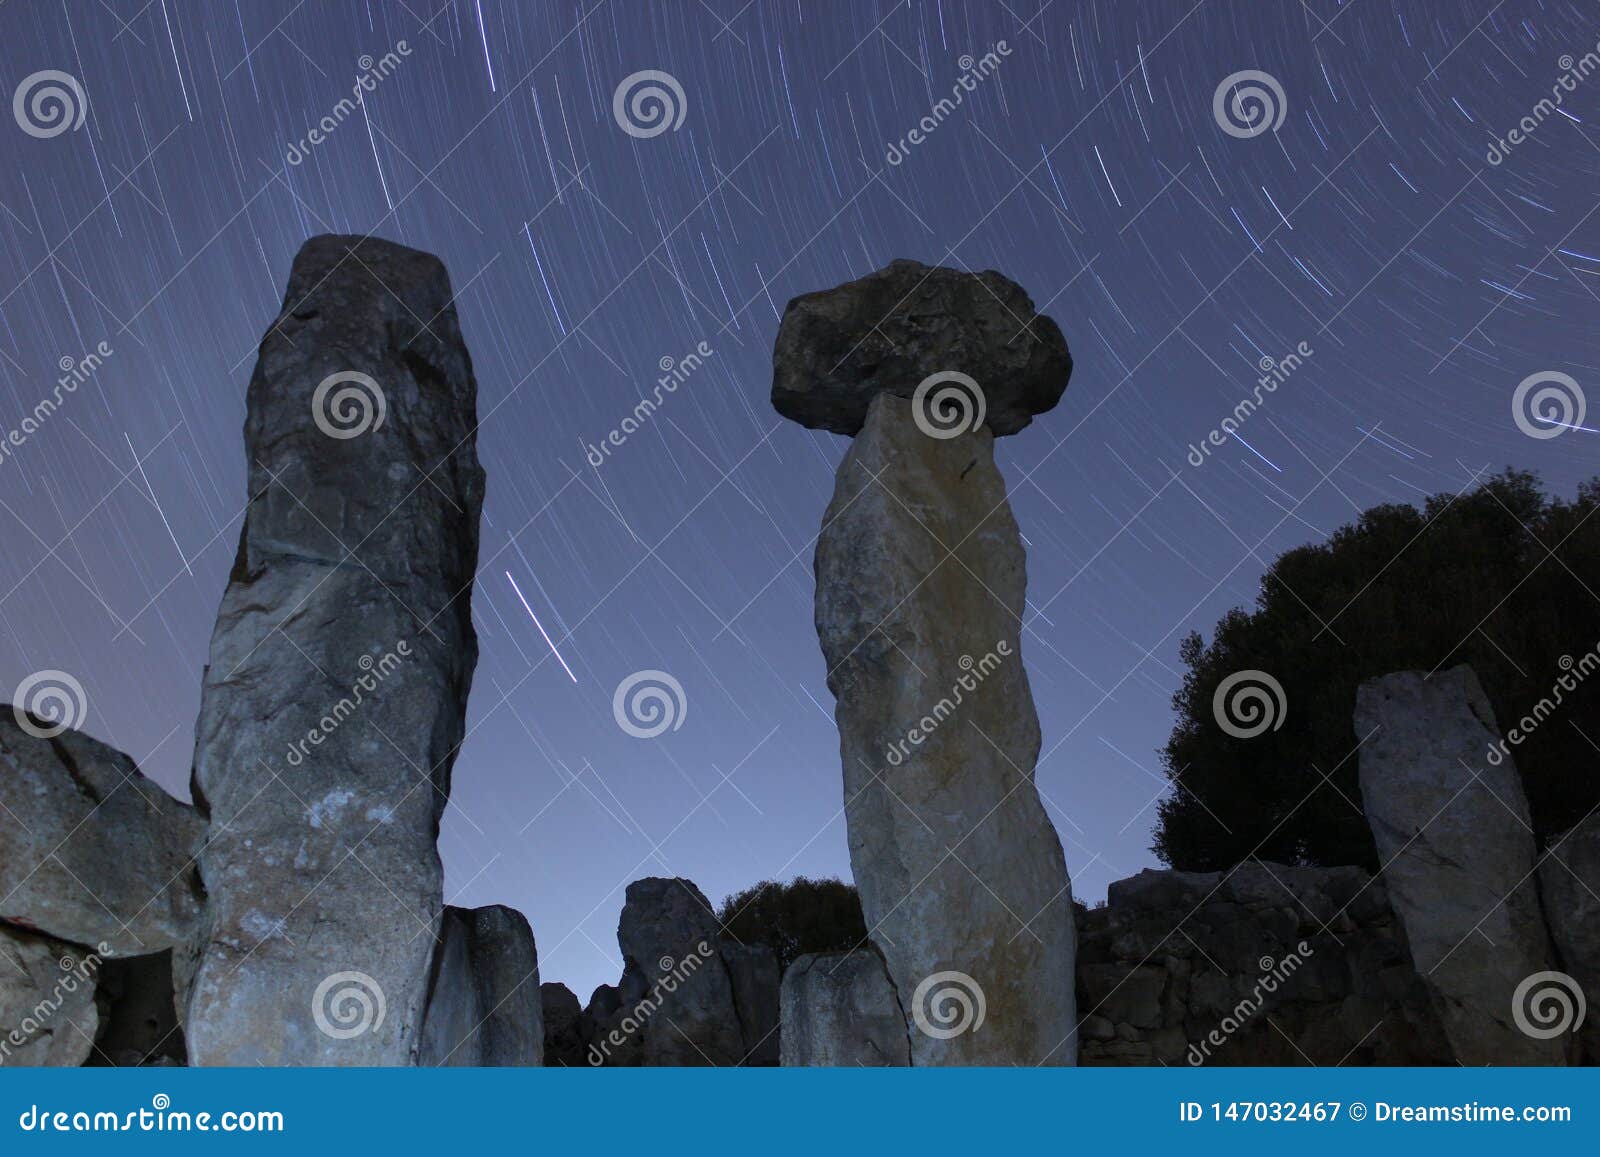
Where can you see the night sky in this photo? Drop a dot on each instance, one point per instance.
(1087, 164)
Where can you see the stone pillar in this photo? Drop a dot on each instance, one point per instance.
(1457, 853)
(919, 605)
(334, 698)
(840, 1011)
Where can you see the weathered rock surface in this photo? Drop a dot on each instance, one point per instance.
(484, 1007)
(753, 975)
(839, 348)
(688, 996)
(563, 1026)
(1569, 880)
(919, 597)
(1208, 968)
(90, 850)
(1457, 850)
(333, 702)
(47, 1007)
(840, 1010)
(674, 984)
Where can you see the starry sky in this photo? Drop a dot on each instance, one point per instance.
(1176, 245)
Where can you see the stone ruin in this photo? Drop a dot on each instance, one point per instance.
(295, 914)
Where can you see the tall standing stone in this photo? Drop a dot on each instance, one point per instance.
(1457, 851)
(919, 602)
(335, 695)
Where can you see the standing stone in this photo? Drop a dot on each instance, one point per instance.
(334, 699)
(563, 1026)
(90, 850)
(484, 1008)
(687, 997)
(47, 1007)
(1457, 849)
(920, 592)
(1569, 880)
(839, 1009)
(754, 976)
(674, 983)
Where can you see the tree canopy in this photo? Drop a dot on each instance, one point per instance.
(1502, 577)
(793, 919)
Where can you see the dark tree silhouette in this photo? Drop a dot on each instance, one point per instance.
(1502, 577)
(793, 919)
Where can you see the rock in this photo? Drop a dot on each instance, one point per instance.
(961, 874)
(90, 850)
(1264, 964)
(673, 976)
(1453, 834)
(333, 703)
(687, 996)
(48, 1014)
(754, 977)
(1569, 879)
(484, 1007)
(839, 1009)
(563, 1026)
(839, 348)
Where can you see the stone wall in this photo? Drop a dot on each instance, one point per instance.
(1261, 965)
